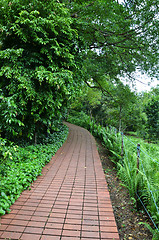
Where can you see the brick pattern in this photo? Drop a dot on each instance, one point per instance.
(69, 201)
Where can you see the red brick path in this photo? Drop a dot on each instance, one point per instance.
(69, 201)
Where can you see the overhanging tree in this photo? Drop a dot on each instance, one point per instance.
(117, 38)
(37, 64)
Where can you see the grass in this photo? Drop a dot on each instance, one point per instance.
(142, 181)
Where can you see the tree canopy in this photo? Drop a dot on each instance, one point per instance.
(116, 39)
(37, 67)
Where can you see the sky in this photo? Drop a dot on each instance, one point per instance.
(144, 83)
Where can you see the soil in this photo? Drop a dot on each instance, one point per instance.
(126, 215)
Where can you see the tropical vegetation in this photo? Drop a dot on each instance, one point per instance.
(61, 57)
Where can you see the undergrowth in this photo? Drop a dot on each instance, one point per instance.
(20, 166)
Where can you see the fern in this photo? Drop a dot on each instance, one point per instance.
(116, 154)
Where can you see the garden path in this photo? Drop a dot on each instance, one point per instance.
(70, 200)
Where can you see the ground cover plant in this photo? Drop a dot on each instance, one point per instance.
(20, 166)
(141, 181)
(127, 217)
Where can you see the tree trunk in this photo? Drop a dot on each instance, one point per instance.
(35, 134)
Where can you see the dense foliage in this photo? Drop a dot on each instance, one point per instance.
(20, 166)
(152, 112)
(116, 39)
(49, 52)
(37, 65)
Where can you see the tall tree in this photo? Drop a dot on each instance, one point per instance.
(37, 64)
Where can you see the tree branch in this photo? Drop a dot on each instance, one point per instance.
(74, 15)
(100, 88)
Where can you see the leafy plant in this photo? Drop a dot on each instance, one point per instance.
(20, 166)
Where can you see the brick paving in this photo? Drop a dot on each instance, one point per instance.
(69, 201)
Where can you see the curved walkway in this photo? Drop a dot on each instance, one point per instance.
(69, 201)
